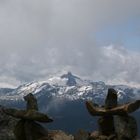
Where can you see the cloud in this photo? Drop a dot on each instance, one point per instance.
(118, 66)
(42, 37)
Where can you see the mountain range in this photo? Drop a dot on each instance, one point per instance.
(63, 98)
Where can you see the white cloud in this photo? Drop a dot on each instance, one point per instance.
(41, 37)
(119, 66)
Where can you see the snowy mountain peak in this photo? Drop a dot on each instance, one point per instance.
(71, 79)
(67, 79)
(69, 86)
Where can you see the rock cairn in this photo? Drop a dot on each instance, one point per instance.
(27, 127)
(114, 121)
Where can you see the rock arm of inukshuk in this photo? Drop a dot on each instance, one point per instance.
(27, 128)
(111, 108)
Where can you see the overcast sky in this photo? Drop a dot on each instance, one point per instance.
(96, 39)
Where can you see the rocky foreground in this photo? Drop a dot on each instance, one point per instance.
(114, 122)
(7, 125)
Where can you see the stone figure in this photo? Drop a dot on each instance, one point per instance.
(122, 125)
(27, 128)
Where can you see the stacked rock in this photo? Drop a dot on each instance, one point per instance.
(120, 127)
(27, 128)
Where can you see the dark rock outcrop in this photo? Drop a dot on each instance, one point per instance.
(31, 102)
(29, 130)
(111, 99)
(126, 127)
(28, 115)
(71, 79)
(7, 125)
(106, 125)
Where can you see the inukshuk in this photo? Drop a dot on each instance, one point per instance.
(110, 109)
(27, 128)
